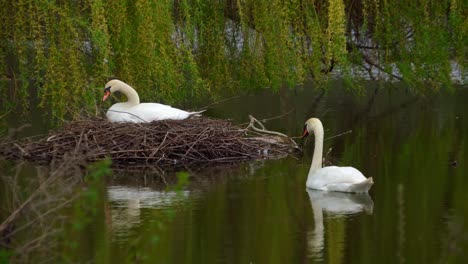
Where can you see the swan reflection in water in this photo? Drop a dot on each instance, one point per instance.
(127, 204)
(334, 205)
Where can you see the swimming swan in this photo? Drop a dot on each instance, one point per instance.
(332, 178)
(136, 112)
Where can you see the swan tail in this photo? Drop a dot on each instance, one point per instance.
(198, 113)
(362, 187)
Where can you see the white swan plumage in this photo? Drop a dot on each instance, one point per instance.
(332, 178)
(134, 111)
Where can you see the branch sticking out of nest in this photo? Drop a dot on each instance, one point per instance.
(262, 130)
(167, 142)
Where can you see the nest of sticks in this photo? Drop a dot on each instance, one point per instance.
(161, 143)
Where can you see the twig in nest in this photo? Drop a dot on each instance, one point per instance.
(344, 133)
(254, 121)
(123, 112)
(326, 155)
(160, 143)
(218, 102)
(272, 118)
(276, 117)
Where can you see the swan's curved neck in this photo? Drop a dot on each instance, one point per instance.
(318, 149)
(131, 94)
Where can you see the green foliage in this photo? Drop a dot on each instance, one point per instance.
(179, 49)
(416, 38)
(5, 256)
(335, 33)
(98, 170)
(182, 181)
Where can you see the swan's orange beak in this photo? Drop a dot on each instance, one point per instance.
(306, 133)
(107, 93)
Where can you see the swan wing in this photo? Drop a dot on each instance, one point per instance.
(121, 112)
(341, 179)
(145, 112)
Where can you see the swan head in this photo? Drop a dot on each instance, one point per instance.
(111, 87)
(311, 125)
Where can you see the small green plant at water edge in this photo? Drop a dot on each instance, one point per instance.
(182, 181)
(98, 170)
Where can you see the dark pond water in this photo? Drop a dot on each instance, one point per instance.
(415, 148)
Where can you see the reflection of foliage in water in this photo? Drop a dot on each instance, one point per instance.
(36, 201)
(172, 50)
(87, 213)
